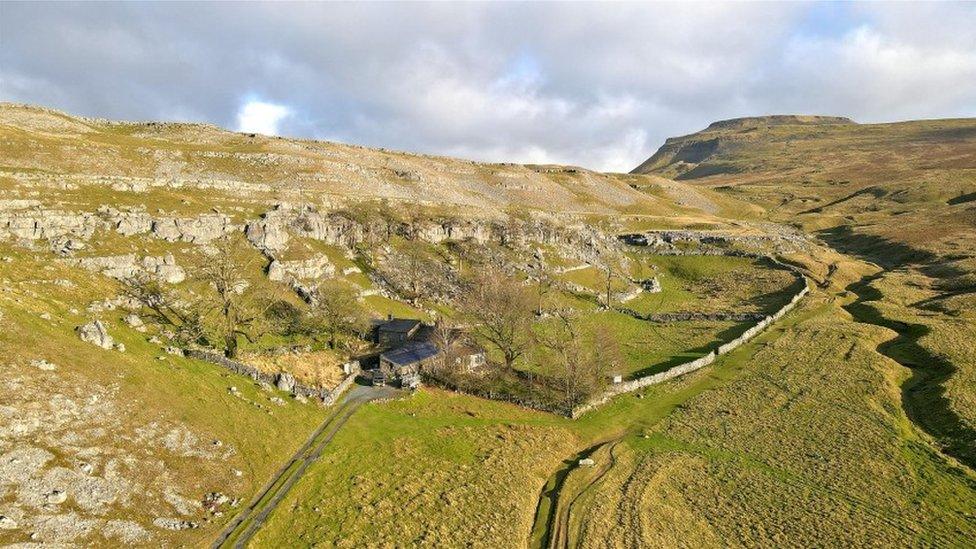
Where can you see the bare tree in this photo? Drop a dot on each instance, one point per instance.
(606, 356)
(580, 369)
(501, 309)
(447, 338)
(413, 264)
(337, 311)
(163, 303)
(166, 306)
(539, 270)
(232, 297)
(612, 263)
(567, 360)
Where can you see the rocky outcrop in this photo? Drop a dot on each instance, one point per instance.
(304, 269)
(436, 233)
(650, 285)
(174, 524)
(47, 224)
(95, 333)
(776, 238)
(268, 234)
(198, 230)
(285, 382)
(127, 223)
(126, 266)
(53, 224)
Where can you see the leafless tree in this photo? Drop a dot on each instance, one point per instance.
(162, 302)
(502, 311)
(539, 270)
(414, 265)
(166, 306)
(613, 264)
(580, 368)
(447, 338)
(238, 306)
(337, 311)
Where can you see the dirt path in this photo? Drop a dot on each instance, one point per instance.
(240, 531)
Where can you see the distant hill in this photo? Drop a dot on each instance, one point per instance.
(900, 192)
(680, 155)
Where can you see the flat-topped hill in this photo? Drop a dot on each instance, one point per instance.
(778, 120)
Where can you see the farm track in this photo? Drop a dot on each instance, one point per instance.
(240, 531)
(561, 537)
(923, 394)
(549, 525)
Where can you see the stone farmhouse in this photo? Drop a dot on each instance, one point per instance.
(409, 348)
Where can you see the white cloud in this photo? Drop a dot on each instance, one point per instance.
(261, 117)
(572, 83)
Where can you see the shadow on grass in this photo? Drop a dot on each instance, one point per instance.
(879, 250)
(923, 394)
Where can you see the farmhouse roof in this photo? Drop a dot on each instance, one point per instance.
(399, 325)
(411, 353)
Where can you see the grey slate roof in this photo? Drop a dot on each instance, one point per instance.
(411, 353)
(399, 325)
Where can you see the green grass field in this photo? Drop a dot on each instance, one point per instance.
(768, 446)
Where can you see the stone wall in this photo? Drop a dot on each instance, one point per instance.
(328, 397)
(671, 373)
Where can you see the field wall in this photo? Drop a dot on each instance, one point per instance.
(682, 369)
(327, 396)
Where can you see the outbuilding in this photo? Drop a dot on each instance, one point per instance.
(396, 331)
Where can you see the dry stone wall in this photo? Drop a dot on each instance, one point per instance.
(639, 383)
(327, 396)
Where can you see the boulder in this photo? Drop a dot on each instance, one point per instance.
(133, 223)
(95, 333)
(56, 497)
(268, 234)
(42, 364)
(651, 285)
(174, 524)
(285, 381)
(198, 230)
(121, 267)
(7, 523)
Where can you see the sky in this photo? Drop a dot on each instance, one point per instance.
(598, 85)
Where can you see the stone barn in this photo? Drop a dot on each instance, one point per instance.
(408, 360)
(396, 331)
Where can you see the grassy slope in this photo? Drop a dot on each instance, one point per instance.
(810, 448)
(901, 195)
(43, 142)
(174, 391)
(797, 438)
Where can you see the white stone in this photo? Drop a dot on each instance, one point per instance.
(95, 333)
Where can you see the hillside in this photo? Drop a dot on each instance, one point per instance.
(901, 195)
(90, 207)
(136, 442)
(901, 190)
(44, 145)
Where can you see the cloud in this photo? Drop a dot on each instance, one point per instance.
(261, 117)
(570, 83)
